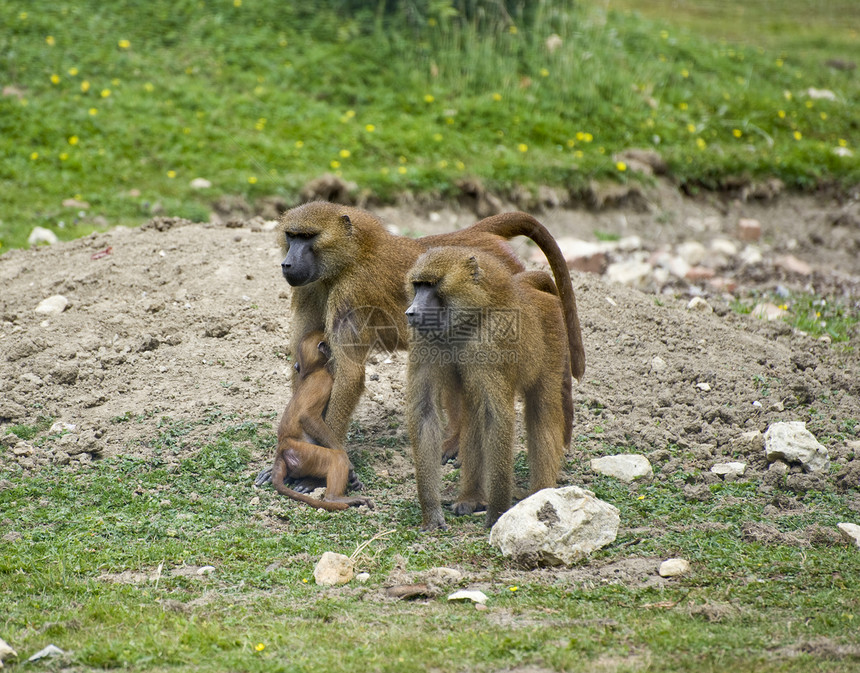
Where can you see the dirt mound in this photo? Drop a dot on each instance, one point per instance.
(192, 320)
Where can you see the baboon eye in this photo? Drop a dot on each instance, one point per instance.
(302, 236)
(296, 367)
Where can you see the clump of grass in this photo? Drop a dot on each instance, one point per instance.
(114, 113)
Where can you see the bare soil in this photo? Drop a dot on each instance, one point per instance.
(186, 320)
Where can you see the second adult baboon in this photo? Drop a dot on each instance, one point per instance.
(306, 445)
(486, 334)
(347, 272)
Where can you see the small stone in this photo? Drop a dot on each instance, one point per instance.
(793, 443)
(468, 595)
(205, 570)
(53, 305)
(658, 364)
(77, 204)
(626, 467)
(6, 652)
(750, 255)
(700, 305)
(49, 651)
(792, 264)
(333, 569)
(41, 235)
(674, 567)
(724, 246)
(200, 183)
(850, 531)
(749, 229)
(705, 387)
(820, 94)
(726, 469)
(630, 273)
(692, 252)
(362, 577)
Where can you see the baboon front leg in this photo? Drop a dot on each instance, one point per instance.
(424, 419)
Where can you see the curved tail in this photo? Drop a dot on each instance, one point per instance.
(509, 225)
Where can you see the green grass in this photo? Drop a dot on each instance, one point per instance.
(68, 537)
(815, 315)
(122, 107)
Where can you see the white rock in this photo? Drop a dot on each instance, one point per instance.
(658, 364)
(333, 569)
(362, 577)
(626, 467)
(53, 305)
(6, 652)
(842, 152)
(750, 255)
(793, 443)
(724, 246)
(627, 244)
(850, 531)
(200, 183)
(704, 386)
(692, 252)
(631, 273)
(700, 305)
(49, 651)
(673, 567)
(677, 266)
(205, 570)
(42, 235)
(468, 595)
(748, 442)
(820, 94)
(724, 469)
(269, 225)
(555, 526)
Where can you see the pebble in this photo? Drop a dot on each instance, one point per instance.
(41, 235)
(468, 595)
(674, 567)
(53, 305)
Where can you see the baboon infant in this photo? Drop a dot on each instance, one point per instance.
(307, 446)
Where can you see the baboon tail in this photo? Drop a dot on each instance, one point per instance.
(509, 225)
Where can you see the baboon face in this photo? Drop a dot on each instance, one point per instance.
(427, 312)
(314, 353)
(301, 265)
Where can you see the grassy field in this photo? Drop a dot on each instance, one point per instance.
(82, 569)
(122, 104)
(120, 108)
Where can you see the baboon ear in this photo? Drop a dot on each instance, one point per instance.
(347, 223)
(474, 269)
(325, 349)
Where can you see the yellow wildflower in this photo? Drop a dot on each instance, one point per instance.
(64, 156)
(50, 41)
(149, 87)
(259, 647)
(691, 128)
(685, 73)
(73, 71)
(73, 140)
(34, 156)
(345, 154)
(300, 144)
(700, 143)
(370, 128)
(335, 164)
(737, 133)
(544, 72)
(798, 135)
(781, 114)
(171, 174)
(402, 170)
(621, 166)
(512, 30)
(683, 106)
(522, 147)
(124, 44)
(105, 93)
(428, 98)
(55, 79)
(93, 111)
(252, 179)
(437, 137)
(497, 97)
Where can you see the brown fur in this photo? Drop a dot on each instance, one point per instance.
(486, 372)
(307, 447)
(360, 297)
